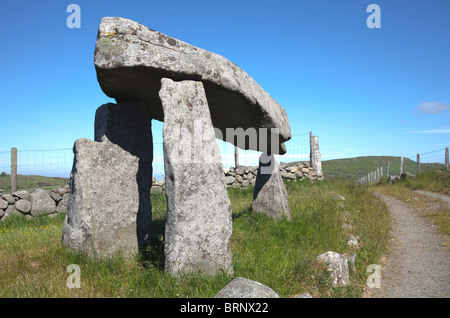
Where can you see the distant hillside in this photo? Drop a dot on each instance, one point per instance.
(354, 168)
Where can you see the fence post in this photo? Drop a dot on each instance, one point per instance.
(418, 163)
(314, 155)
(401, 165)
(446, 158)
(387, 170)
(236, 157)
(13, 170)
(311, 149)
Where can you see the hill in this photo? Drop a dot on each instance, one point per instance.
(354, 168)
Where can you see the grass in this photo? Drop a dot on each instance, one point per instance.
(279, 254)
(27, 182)
(434, 181)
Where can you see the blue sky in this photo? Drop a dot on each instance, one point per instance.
(381, 91)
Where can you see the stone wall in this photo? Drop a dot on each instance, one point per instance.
(244, 176)
(32, 203)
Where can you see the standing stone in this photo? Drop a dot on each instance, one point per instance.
(108, 209)
(270, 195)
(103, 201)
(128, 125)
(199, 224)
(41, 203)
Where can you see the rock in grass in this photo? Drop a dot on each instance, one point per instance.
(246, 288)
(338, 266)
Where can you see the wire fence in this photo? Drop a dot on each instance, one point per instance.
(50, 168)
(432, 160)
(42, 168)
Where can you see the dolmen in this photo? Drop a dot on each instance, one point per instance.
(200, 96)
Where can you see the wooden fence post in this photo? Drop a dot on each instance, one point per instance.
(13, 170)
(314, 154)
(310, 149)
(418, 163)
(401, 165)
(446, 158)
(236, 157)
(387, 170)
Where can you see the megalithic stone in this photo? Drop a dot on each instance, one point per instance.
(128, 125)
(130, 60)
(101, 211)
(199, 224)
(270, 195)
(109, 208)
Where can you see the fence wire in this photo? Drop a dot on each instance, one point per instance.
(50, 168)
(432, 160)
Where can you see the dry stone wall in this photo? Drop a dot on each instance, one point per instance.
(244, 176)
(32, 203)
(21, 202)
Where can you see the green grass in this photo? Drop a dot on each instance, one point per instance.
(355, 168)
(434, 181)
(279, 254)
(28, 182)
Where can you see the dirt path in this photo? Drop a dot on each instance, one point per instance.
(433, 195)
(418, 263)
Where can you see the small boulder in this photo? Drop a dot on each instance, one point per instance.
(23, 206)
(25, 195)
(3, 204)
(246, 288)
(10, 210)
(41, 203)
(9, 198)
(62, 205)
(352, 241)
(338, 266)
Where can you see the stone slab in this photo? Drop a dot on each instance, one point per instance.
(130, 60)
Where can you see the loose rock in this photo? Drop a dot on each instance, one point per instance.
(246, 288)
(338, 266)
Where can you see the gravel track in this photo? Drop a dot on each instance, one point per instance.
(433, 195)
(418, 263)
